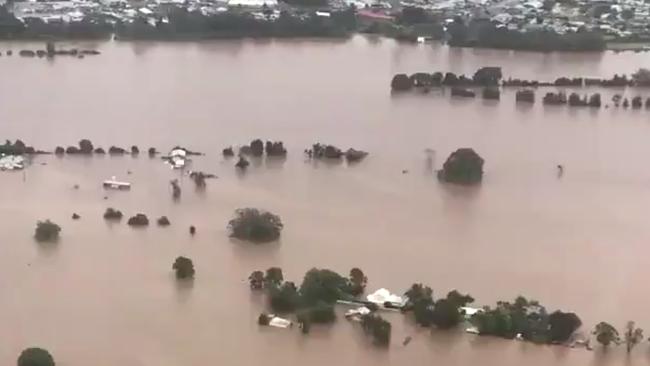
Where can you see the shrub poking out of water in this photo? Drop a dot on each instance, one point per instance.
(35, 357)
(114, 150)
(378, 328)
(263, 319)
(138, 220)
(255, 225)
(275, 148)
(228, 152)
(163, 221)
(184, 268)
(47, 231)
(256, 280)
(113, 214)
(463, 166)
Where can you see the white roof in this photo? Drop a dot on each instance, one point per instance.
(382, 296)
(469, 311)
(178, 152)
(278, 322)
(146, 11)
(252, 3)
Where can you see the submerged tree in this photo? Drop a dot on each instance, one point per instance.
(47, 231)
(273, 277)
(606, 334)
(323, 285)
(562, 325)
(446, 312)
(113, 214)
(420, 300)
(255, 225)
(184, 268)
(35, 357)
(256, 280)
(633, 336)
(378, 328)
(464, 166)
(285, 298)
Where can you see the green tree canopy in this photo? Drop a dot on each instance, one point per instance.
(35, 357)
(273, 277)
(606, 334)
(562, 326)
(284, 299)
(255, 225)
(323, 285)
(358, 281)
(184, 268)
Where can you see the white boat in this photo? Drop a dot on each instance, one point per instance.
(113, 183)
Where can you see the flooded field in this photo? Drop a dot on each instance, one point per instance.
(105, 294)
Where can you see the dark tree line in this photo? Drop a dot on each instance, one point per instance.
(487, 34)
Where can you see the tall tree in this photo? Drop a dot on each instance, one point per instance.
(633, 335)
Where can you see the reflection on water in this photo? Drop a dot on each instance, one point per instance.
(105, 294)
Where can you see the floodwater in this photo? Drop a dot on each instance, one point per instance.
(105, 294)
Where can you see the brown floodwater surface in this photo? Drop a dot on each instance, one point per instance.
(105, 294)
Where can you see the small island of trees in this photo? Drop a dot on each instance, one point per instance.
(47, 231)
(255, 225)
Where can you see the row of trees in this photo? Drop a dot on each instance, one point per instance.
(522, 318)
(445, 313)
(487, 34)
(184, 24)
(485, 76)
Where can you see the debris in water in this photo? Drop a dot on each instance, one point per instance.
(11, 162)
(113, 183)
(407, 340)
(242, 163)
(176, 189)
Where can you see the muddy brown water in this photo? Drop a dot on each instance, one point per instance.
(105, 294)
